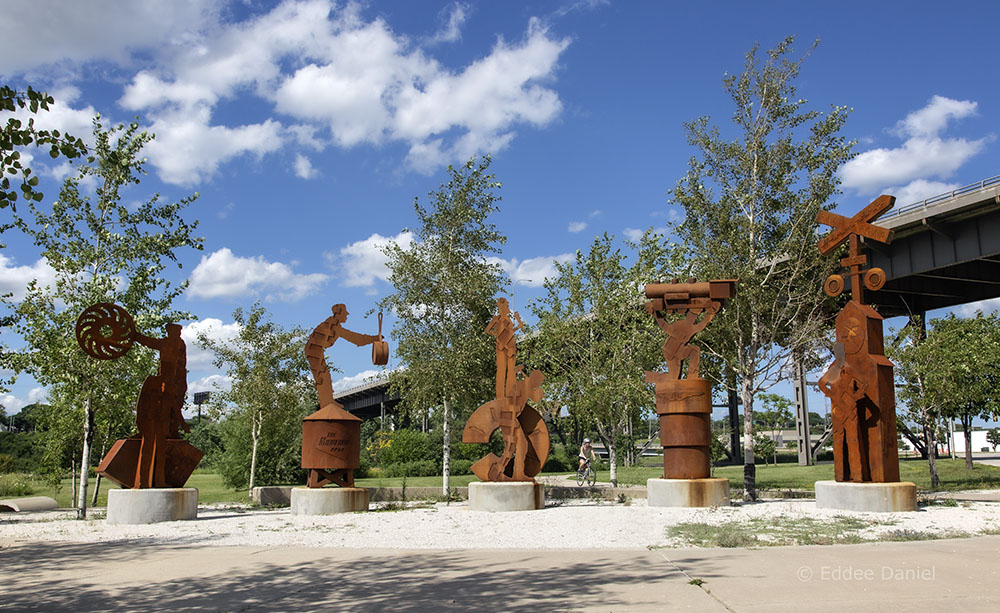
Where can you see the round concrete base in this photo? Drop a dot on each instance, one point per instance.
(711, 492)
(153, 505)
(874, 497)
(329, 500)
(506, 496)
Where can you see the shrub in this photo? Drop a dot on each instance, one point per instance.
(7, 463)
(419, 468)
(405, 446)
(15, 484)
(558, 463)
(461, 467)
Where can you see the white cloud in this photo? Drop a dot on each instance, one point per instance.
(634, 234)
(919, 190)
(984, 306)
(14, 279)
(933, 118)
(923, 154)
(304, 168)
(361, 262)
(533, 271)
(224, 275)
(210, 383)
(33, 34)
(12, 404)
(346, 383)
(341, 77)
(215, 330)
(188, 149)
(577, 226)
(451, 31)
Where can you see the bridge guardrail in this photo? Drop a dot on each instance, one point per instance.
(965, 189)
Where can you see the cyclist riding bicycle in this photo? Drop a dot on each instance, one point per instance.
(585, 450)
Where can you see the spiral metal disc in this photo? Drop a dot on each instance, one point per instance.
(105, 331)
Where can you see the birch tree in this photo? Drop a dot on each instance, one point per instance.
(595, 341)
(445, 295)
(102, 250)
(750, 204)
(267, 367)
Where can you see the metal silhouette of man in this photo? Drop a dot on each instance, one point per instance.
(158, 411)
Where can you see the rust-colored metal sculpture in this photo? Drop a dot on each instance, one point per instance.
(331, 437)
(859, 383)
(685, 405)
(157, 456)
(525, 435)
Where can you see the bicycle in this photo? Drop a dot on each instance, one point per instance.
(587, 475)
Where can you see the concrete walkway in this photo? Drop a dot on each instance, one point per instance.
(960, 574)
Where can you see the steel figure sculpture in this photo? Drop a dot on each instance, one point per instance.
(859, 383)
(331, 437)
(685, 405)
(525, 435)
(157, 457)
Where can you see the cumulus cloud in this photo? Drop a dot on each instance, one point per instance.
(364, 261)
(14, 279)
(923, 154)
(331, 70)
(346, 383)
(304, 168)
(533, 271)
(215, 330)
(13, 404)
(577, 226)
(919, 190)
(224, 275)
(34, 34)
(211, 383)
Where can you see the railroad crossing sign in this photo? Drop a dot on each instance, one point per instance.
(851, 230)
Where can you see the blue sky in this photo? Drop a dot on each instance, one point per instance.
(308, 127)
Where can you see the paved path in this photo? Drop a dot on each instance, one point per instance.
(954, 575)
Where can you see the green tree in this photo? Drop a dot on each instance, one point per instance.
(918, 385)
(993, 438)
(962, 359)
(750, 206)
(16, 135)
(595, 341)
(102, 250)
(445, 297)
(264, 407)
(776, 414)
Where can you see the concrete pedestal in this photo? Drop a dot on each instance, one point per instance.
(329, 500)
(875, 497)
(506, 496)
(153, 505)
(711, 492)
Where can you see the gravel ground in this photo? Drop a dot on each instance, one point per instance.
(562, 525)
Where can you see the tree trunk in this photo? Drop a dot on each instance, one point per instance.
(749, 467)
(97, 491)
(255, 437)
(967, 430)
(446, 449)
(930, 436)
(88, 439)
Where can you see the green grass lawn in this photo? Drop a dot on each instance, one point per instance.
(953, 475)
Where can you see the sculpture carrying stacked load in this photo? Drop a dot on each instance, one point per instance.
(156, 457)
